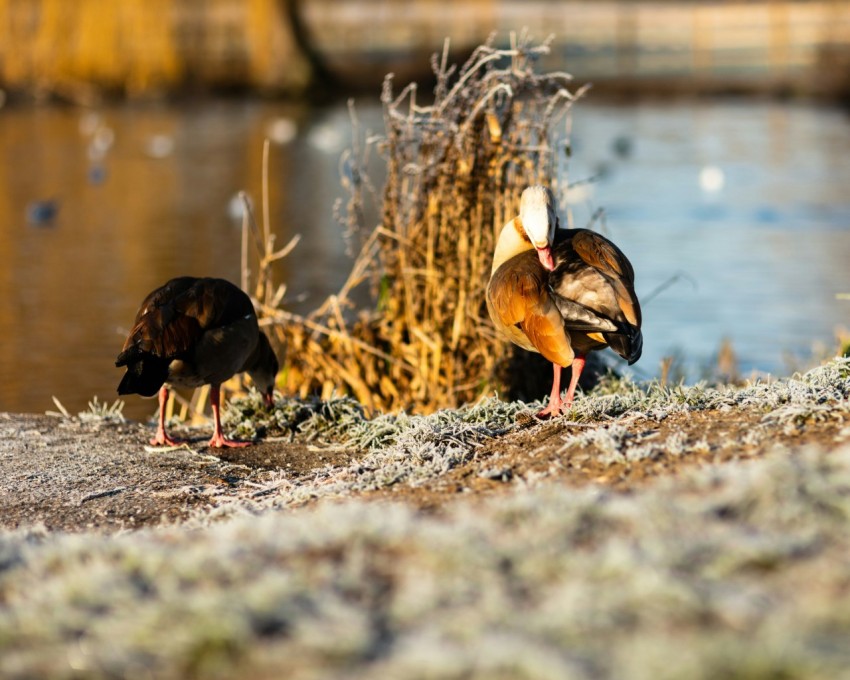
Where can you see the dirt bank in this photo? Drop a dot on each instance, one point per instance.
(77, 474)
(73, 475)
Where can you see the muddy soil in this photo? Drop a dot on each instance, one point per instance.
(79, 476)
(73, 476)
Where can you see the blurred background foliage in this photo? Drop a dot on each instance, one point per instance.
(145, 47)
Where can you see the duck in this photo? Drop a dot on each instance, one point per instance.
(191, 332)
(43, 212)
(562, 293)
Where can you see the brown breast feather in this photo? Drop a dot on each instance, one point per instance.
(519, 298)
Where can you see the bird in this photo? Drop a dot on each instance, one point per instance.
(41, 213)
(191, 332)
(561, 292)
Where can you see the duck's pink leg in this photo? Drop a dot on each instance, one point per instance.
(218, 439)
(161, 438)
(554, 406)
(578, 366)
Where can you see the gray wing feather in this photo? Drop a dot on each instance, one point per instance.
(577, 317)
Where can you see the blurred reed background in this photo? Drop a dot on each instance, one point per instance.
(80, 50)
(142, 47)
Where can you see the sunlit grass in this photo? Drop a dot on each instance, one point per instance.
(410, 449)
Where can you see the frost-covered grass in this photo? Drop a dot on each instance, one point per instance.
(815, 395)
(735, 571)
(413, 449)
(819, 395)
(800, 397)
(343, 420)
(396, 448)
(103, 412)
(740, 570)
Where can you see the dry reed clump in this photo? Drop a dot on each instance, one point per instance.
(455, 170)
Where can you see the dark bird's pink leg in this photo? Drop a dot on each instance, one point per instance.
(218, 439)
(161, 438)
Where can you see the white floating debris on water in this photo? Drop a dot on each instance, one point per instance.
(101, 142)
(104, 137)
(281, 130)
(711, 179)
(89, 123)
(235, 207)
(101, 136)
(327, 138)
(159, 146)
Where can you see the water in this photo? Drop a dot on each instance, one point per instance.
(143, 194)
(155, 205)
(751, 201)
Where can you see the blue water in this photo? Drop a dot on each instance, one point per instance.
(766, 249)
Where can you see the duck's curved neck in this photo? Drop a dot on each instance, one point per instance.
(512, 241)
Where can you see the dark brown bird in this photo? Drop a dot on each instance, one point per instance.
(192, 332)
(562, 292)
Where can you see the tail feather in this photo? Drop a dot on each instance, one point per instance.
(145, 375)
(628, 343)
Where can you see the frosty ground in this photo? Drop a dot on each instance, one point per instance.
(654, 532)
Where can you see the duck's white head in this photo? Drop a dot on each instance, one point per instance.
(539, 219)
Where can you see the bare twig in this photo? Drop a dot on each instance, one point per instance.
(678, 276)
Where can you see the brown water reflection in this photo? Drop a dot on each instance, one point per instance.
(160, 209)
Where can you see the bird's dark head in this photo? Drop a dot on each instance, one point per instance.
(263, 369)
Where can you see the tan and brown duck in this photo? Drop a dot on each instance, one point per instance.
(192, 332)
(562, 292)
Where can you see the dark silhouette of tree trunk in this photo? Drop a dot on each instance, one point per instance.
(322, 75)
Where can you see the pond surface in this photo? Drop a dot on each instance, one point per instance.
(750, 200)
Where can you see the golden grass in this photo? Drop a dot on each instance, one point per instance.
(455, 169)
(77, 49)
(82, 49)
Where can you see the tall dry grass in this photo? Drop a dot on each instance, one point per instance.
(81, 49)
(455, 169)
